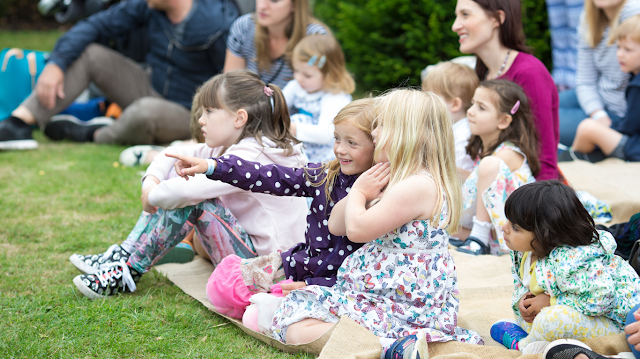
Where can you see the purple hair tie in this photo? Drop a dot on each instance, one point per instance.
(515, 107)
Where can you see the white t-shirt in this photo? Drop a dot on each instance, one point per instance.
(313, 115)
(461, 135)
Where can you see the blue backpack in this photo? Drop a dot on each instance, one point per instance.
(19, 70)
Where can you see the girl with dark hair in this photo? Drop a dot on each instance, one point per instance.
(492, 30)
(504, 146)
(568, 281)
(242, 116)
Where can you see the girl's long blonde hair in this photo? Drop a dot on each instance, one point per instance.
(416, 133)
(360, 113)
(329, 59)
(295, 31)
(597, 22)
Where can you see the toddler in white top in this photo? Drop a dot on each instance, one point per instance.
(455, 84)
(320, 89)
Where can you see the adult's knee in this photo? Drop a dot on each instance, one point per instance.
(587, 127)
(630, 317)
(139, 115)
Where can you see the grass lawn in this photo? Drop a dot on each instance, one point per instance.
(67, 198)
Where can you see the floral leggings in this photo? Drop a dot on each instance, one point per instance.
(563, 322)
(155, 234)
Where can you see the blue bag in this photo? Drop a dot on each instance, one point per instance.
(19, 70)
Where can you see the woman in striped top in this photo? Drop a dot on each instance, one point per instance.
(600, 83)
(263, 41)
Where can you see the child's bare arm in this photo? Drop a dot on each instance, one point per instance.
(412, 198)
(337, 225)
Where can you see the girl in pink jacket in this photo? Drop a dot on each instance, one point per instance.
(253, 124)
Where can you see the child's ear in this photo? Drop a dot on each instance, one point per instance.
(504, 122)
(241, 118)
(456, 105)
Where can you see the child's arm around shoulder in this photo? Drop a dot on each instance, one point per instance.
(410, 199)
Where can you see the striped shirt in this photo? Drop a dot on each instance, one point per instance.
(241, 43)
(600, 83)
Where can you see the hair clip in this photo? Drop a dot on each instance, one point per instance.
(268, 91)
(515, 107)
(312, 60)
(322, 61)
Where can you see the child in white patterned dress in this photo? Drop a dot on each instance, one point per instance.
(504, 146)
(402, 284)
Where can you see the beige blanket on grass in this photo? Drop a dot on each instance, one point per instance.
(485, 283)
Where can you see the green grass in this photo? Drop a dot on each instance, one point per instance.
(30, 40)
(69, 198)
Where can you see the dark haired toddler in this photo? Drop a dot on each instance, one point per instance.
(568, 281)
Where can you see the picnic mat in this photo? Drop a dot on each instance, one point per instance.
(485, 283)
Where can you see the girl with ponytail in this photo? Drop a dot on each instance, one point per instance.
(241, 116)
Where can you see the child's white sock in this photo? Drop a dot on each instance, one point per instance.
(480, 230)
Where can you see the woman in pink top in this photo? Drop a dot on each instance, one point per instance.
(492, 30)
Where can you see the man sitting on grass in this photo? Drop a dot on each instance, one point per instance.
(187, 44)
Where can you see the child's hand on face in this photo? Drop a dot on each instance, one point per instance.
(633, 331)
(533, 305)
(288, 287)
(189, 166)
(373, 181)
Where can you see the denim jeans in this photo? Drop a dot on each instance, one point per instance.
(571, 114)
(631, 319)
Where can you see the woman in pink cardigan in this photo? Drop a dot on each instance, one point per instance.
(492, 30)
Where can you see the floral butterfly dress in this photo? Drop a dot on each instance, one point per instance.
(396, 285)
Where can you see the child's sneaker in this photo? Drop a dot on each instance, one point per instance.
(91, 263)
(409, 347)
(508, 332)
(535, 347)
(111, 279)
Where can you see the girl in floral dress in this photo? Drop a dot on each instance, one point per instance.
(402, 282)
(504, 143)
(568, 281)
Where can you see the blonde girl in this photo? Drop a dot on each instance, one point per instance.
(402, 282)
(241, 116)
(504, 144)
(315, 261)
(320, 88)
(263, 42)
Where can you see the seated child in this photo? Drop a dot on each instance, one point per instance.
(568, 281)
(315, 261)
(320, 88)
(455, 84)
(622, 139)
(241, 116)
(504, 145)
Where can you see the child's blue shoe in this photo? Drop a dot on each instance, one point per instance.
(508, 332)
(409, 347)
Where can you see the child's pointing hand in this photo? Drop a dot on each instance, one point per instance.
(189, 166)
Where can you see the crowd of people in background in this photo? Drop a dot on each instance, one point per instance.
(288, 185)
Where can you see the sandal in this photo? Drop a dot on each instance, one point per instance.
(466, 247)
(456, 242)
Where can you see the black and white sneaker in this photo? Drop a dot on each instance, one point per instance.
(16, 135)
(91, 263)
(68, 127)
(112, 278)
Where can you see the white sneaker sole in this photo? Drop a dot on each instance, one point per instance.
(86, 291)
(95, 121)
(19, 145)
(81, 265)
(555, 343)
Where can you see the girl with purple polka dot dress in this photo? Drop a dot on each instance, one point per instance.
(317, 259)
